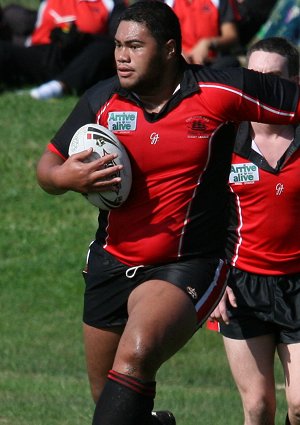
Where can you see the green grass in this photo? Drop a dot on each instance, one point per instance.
(42, 249)
(31, 4)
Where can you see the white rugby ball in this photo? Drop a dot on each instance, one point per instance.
(104, 142)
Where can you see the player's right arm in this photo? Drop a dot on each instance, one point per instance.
(57, 175)
(220, 313)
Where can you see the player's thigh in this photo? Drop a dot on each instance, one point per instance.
(31, 64)
(162, 318)
(100, 349)
(290, 358)
(252, 364)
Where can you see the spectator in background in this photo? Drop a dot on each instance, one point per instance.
(284, 21)
(260, 312)
(16, 23)
(71, 47)
(209, 31)
(253, 14)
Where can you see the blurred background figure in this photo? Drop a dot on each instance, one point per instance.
(16, 23)
(70, 48)
(284, 21)
(252, 15)
(209, 31)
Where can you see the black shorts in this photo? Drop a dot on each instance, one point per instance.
(265, 305)
(110, 282)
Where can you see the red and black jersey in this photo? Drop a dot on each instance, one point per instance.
(201, 19)
(265, 226)
(90, 16)
(180, 158)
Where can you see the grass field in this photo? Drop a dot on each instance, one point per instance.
(42, 246)
(33, 4)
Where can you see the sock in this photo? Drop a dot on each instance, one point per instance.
(125, 400)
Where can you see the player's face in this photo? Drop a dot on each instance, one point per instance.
(269, 63)
(139, 60)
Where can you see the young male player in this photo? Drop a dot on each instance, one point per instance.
(155, 270)
(264, 281)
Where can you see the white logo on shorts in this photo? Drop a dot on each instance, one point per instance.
(192, 292)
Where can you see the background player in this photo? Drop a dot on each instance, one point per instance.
(264, 282)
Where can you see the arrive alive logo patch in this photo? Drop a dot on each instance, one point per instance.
(246, 172)
(122, 121)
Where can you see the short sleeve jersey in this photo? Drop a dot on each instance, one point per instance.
(201, 19)
(180, 158)
(90, 16)
(265, 225)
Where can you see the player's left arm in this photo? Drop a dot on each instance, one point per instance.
(239, 94)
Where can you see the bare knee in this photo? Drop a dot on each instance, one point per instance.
(100, 348)
(294, 409)
(259, 411)
(140, 358)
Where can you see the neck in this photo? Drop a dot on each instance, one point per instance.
(272, 140)
(155, 100)
(274, 130)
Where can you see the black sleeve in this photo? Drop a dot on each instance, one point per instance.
(84, 112)
(81, 114)
(226, 12)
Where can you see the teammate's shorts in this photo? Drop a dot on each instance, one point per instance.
(110, 282)
(265, 305)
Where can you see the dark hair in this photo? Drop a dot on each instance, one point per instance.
(281, 46)
(159, 18)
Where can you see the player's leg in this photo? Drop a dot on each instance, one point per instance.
(288, 314)
(252, 366)
(290, 358)
(104, 313)
(159, 318)
(100, 349)
(162, 319)
(22, 65)
(94, 62)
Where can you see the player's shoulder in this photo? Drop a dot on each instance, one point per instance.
(205, 74)
(100, 93)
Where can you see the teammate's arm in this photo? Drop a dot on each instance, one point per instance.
(220, 312)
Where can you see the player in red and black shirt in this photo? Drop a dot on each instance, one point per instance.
(156, 268)
(264, 247)
(209, 31)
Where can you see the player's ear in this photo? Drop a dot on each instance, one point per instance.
(171, 48)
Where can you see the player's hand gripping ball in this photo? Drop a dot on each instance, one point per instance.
(104, 142)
